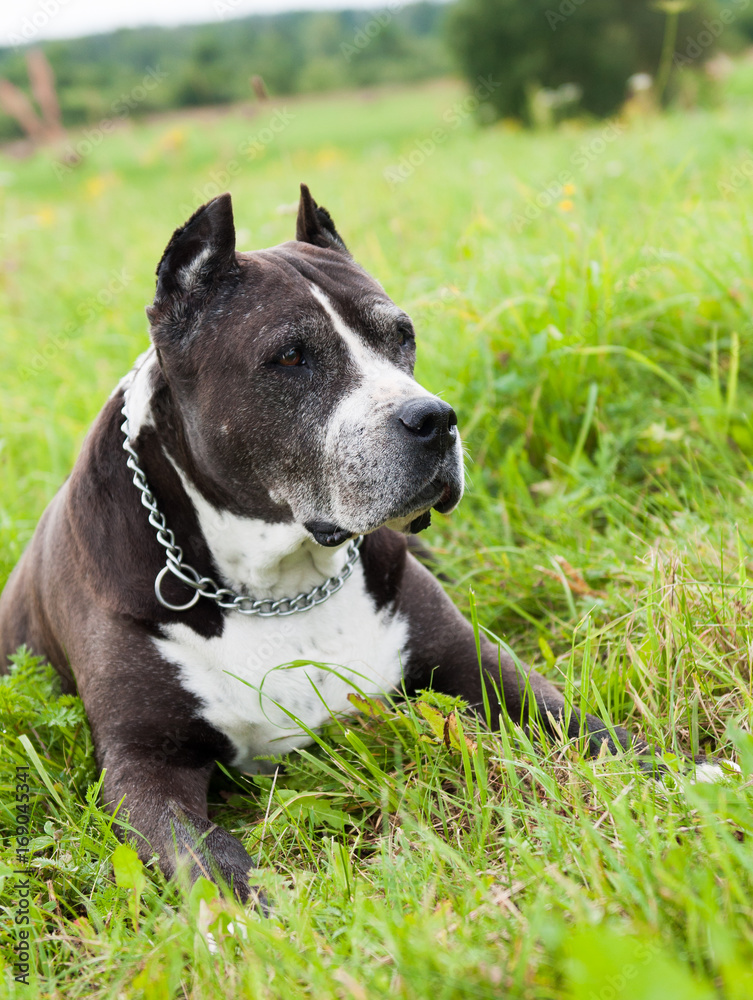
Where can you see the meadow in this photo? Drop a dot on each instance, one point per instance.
(582, 297)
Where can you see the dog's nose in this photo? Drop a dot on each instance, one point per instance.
(431, 421)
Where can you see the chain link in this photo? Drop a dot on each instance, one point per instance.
(205, 586)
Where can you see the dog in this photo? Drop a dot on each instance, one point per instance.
(242, 502)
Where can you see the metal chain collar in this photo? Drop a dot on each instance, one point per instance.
(205, 586)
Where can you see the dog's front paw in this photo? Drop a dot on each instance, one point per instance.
(201, 848)
(219, 856)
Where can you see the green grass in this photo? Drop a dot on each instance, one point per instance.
(599, 358)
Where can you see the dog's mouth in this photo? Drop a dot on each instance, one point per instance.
(440, 495)
(447, 499)
(327, 534)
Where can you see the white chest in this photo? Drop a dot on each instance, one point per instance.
(250, 692)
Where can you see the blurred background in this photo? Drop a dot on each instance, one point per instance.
(553, 59)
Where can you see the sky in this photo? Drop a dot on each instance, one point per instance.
(31, 20)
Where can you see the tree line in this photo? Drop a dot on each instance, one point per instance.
(580, 52)
(208, 64)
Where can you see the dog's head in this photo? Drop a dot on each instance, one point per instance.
(291, 370)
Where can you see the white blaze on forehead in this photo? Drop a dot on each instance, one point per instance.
(367, 359)
(382, 383)
(381, 380)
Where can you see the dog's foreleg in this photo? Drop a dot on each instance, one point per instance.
(443, 655)
(164, 808)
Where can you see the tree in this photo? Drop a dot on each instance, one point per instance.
(596, 44)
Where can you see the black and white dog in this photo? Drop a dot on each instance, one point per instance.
(210, 533)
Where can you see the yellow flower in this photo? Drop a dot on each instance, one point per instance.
(96, 186)
(565, 205)
(45, 216)
(327, 156)
(173, 140)
(569, 189)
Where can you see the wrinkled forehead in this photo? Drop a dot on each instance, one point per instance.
(303, 275)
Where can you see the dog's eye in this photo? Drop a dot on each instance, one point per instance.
(290, 356)
(405, 335)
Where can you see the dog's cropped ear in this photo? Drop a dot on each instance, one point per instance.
(198, 258)
(315, 225)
